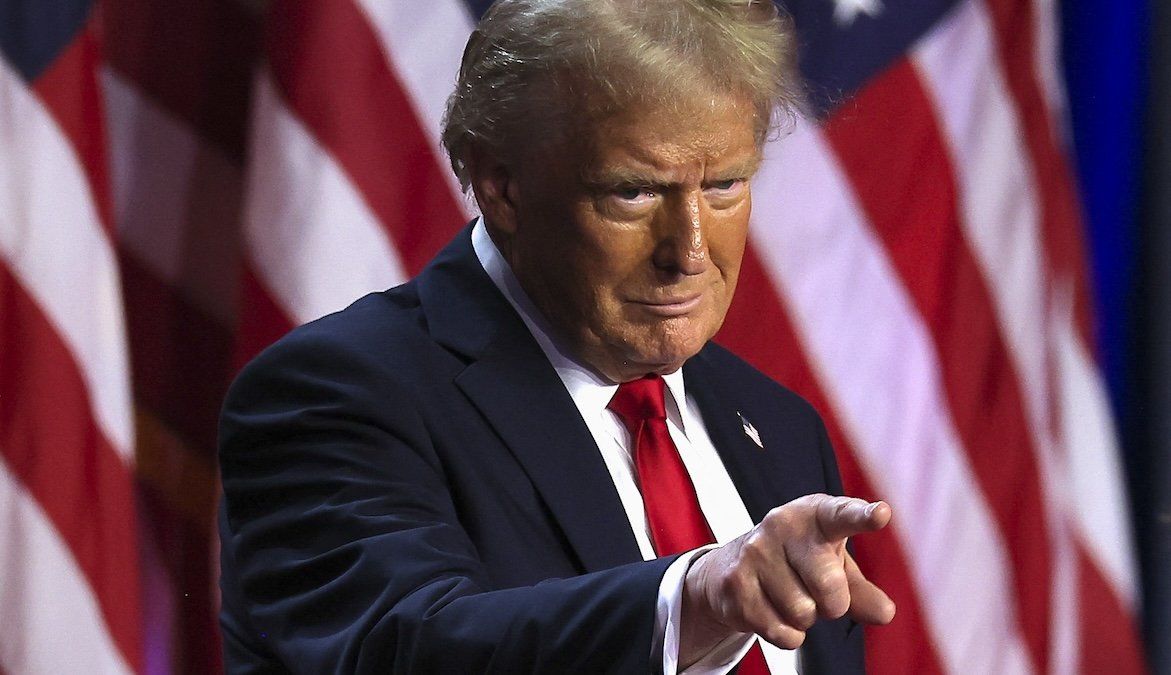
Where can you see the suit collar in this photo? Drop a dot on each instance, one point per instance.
(511, 382)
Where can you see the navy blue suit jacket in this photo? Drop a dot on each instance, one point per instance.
(409, 488)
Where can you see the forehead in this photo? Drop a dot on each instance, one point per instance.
(718, 129)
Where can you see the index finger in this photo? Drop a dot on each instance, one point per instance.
(842, 517)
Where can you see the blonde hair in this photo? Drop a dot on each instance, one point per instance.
(530, 63)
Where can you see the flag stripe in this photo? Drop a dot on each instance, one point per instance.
(45, 595)
(758, 329)
(52, 446)
(162, 173)
(427, 74)
(1013, 36)
(329, 66)
(1099, 505)
(994, 172)
(999, 215)
(192, 565)
(1109, 642)
(863, 336)
(194, 59)
(68, 89)
(263, 321)
(57, 248)
(311, 237)
(890, 127)
(185, 390)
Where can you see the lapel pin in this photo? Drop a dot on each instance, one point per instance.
(750, 431)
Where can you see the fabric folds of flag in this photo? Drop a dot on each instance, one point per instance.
(212, 173)
(915, 269)
(69, 567)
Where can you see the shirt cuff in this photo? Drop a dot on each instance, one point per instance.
(668, 614)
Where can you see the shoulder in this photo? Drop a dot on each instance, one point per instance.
(366, 362)
(381, 337)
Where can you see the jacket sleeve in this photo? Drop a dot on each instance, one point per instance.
(343, 552)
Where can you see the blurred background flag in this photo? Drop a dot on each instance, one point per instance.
(69, 553)
(919, 268)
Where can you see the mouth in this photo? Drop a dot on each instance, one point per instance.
(669, 307)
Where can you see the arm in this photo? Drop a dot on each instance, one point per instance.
(349, 554)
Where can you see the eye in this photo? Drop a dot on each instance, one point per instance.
(633, 193)
(726, 185)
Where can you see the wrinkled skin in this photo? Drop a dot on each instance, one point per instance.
(628, 236)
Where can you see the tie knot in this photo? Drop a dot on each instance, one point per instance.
(639, 400)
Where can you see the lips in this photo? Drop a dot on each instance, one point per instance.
(677, 306)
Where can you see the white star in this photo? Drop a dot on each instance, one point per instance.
(845, 11)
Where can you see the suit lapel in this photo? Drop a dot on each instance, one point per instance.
(759, 475)
(513, 385)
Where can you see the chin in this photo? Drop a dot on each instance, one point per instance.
(669, 358)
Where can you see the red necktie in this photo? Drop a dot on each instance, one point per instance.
(677, 524)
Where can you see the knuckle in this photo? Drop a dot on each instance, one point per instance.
(780, 519)
(753, 546)
(801, 612)
(830, 580)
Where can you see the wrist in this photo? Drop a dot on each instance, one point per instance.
(699, 630)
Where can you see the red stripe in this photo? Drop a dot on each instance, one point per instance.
(195, 59)
(336, 77)
(69, 89)
(181, 356)
(262, 321)
(889, 144)
(1110, 642)
(1114, 641)
(758, 329)
(55, 449)
(183, 546)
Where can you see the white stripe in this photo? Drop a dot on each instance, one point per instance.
(51, 620)
(162, 176)
(876, 363)
(52, 239)
(315, 242)
(424, 50)
(1001, 218)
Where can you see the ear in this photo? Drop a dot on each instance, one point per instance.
(495, 189)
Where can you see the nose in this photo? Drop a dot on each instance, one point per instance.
(682, 246)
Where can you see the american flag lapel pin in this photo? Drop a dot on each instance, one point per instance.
(750, 431)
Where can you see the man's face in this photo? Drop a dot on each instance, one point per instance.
(629, 236)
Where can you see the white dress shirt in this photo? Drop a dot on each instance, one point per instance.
(718, 499)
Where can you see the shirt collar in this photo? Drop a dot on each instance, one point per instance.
(589, 391)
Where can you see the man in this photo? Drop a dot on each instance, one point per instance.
(514, 462)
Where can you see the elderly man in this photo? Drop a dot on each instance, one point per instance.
(530, 458)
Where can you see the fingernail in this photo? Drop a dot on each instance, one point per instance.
(870, 509)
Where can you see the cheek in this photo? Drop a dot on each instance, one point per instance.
(727, 248)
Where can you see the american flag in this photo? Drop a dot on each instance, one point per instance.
(183, 181)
